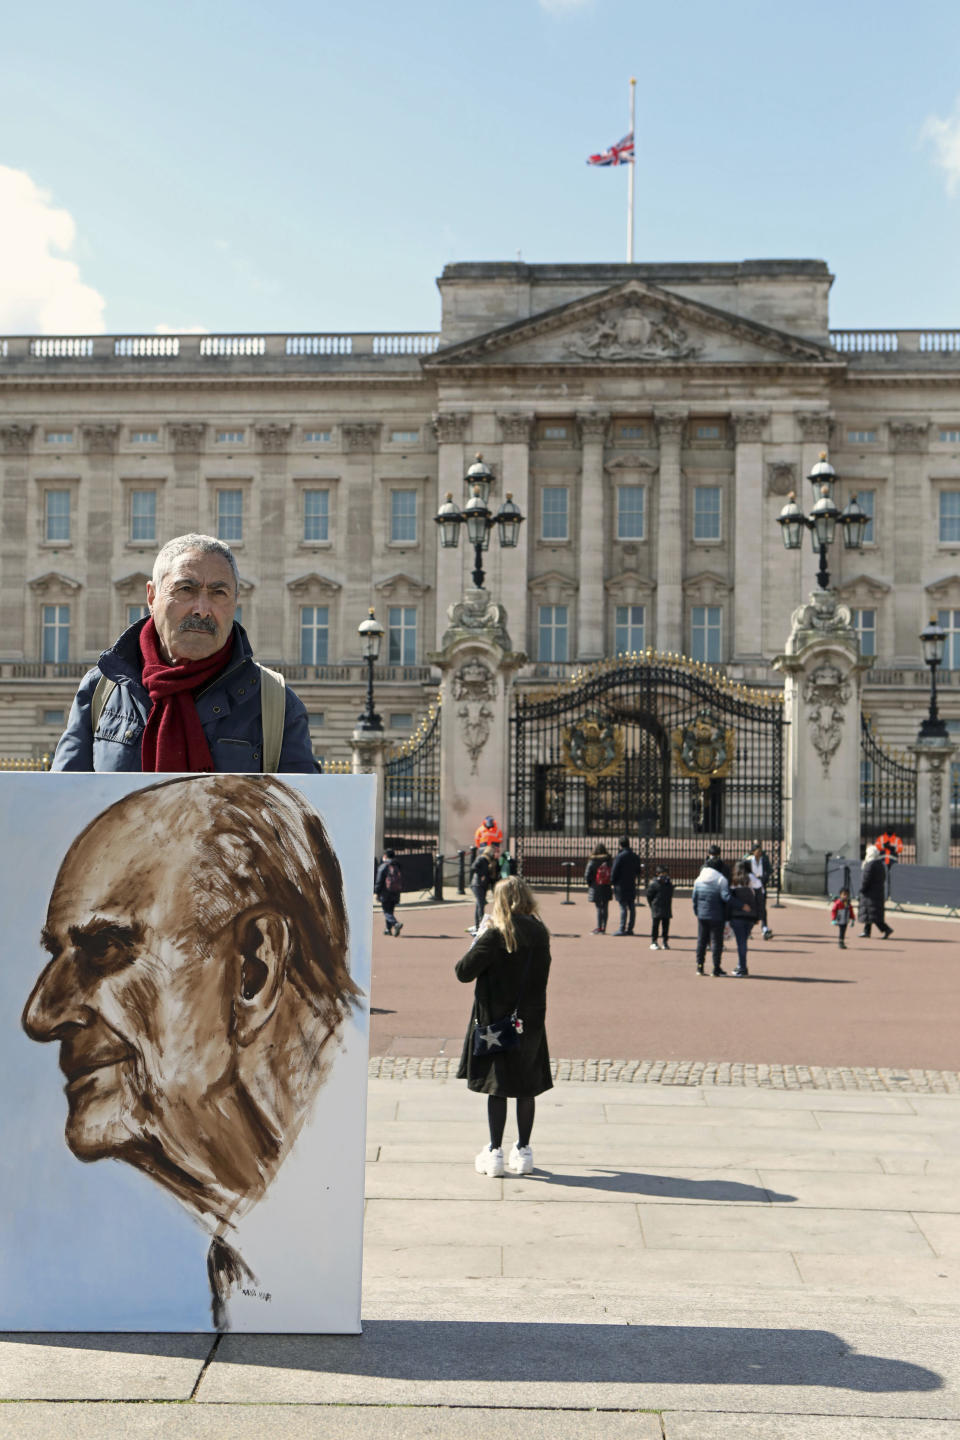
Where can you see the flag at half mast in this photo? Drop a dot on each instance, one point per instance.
(619, 154)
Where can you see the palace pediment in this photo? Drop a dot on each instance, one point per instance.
(632, 324)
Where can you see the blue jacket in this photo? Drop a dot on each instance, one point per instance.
(229, 710)
(710, 895)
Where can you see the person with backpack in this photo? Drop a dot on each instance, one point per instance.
(483, 877)
(599, 885)
(660, 900)
(388, 887)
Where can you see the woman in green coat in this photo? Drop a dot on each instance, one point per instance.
(510, 962)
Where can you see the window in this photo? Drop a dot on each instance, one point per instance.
(552, 639)
(56, 634)
(553, 513)
(865, 624)
(404, 437)
(402, 635)
(710, 431)
(230, 437)
(56, 518)
(553, 432)
(137, 612)
(949, 620)
(144, 437)
(705, 633)
(318, 437)
(54, 717)
(230, 515)
(403, 516)
(629, 431)
(401, 720)
(950, 437)
(628, 634)
(630, 512)
(314, 634)
(861, 437)
(58, 437)
(316, 515)
(706, 512)
(867, 500)
(143, 516)
(949, 517)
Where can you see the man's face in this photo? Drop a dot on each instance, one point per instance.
(142, 1017)
(193, 606)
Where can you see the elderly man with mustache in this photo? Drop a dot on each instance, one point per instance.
(180, 690)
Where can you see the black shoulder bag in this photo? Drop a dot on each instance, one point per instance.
(501, 1035)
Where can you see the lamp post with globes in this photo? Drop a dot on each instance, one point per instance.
(478, 518)
(371, 635)
(823, 519)
(933, 638)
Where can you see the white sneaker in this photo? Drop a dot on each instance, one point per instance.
(654, 946)
(490, 1162)
(520, 1160)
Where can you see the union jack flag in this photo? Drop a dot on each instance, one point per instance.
(619, 154)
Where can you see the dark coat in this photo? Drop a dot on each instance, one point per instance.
(597, 893)
(482, 876)
(525, 1070)
(660, 897)
(743, 904)
(873, 892)
(229, 710)
(380, 883)
(626, 867)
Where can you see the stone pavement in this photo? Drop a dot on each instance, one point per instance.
(687, 1262)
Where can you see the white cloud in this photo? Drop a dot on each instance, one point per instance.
(944, 136)
(41, 292)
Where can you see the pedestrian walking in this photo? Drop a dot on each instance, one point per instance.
(842, 914)
(660, 900)
(744, 912)
(623, 873)
(873, 894)
(760, 871)
(509, 962)
(388, 887)
(711, 893)
(483, 877)
(599, 886)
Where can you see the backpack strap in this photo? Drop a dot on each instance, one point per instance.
(273, 705)
(104, 689)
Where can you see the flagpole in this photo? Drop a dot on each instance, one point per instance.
(630, 169)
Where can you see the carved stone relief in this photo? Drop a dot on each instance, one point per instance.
(781, 477)
(908, 435)
(826, 693)
(101, 439)
(592, 428)
(474, 681)
(670, 425)
(451, 428)
(16, 438)
(815, 426)
(474, 684)
(635, 330)
(357, 437)
(748, 427)
(273, 438)
(187, 437)
(515, 428)
(937, 764)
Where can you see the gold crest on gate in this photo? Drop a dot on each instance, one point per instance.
(592, 749)
(703, 751)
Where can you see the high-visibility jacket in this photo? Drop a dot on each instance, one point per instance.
(488, 835)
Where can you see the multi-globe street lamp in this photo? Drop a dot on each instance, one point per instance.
(371, 634)
(933, 638)
(823, 519)
(479, 518)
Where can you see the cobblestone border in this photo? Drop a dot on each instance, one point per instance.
(698, 1072)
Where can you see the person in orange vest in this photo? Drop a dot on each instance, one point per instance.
(489, 833)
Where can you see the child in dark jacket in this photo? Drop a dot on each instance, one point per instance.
(660, 900)
(842, 915)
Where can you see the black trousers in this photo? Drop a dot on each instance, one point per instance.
(660, 927)
(709, 932)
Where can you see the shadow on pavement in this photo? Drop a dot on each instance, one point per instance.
(628, 1182)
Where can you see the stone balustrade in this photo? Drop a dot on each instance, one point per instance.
(870, 345)
(190, 352)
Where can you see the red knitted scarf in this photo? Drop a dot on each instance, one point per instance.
(174, 740)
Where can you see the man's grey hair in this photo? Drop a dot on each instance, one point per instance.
(181, 544)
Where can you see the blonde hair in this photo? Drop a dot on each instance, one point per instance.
(511, 896)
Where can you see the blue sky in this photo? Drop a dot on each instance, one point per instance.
(288, 166)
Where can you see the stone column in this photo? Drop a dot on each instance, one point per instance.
(749, 534)
(590, 634)
(670, 533)
(908, 440)
(15, 443)
(450, 429)
(185, 517)
(516, 429)
(360, 507)
(100, 442)
(369, 748)
(271, 540)
(478, 665)
(933, 800)
(823, 672)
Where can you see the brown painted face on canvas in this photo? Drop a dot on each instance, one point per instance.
(141, 1009)
(193, 606)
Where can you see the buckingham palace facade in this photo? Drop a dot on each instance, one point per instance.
(649, 420)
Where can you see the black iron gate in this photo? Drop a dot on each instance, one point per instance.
(665, 751)
(411, 817)
(888, 793)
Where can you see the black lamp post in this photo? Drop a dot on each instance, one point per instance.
(823, 519)
(479, 518)
(933, 638)
(371, 634)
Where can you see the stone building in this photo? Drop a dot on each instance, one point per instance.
(649, 420)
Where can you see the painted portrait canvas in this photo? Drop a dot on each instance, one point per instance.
(185, 1019)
